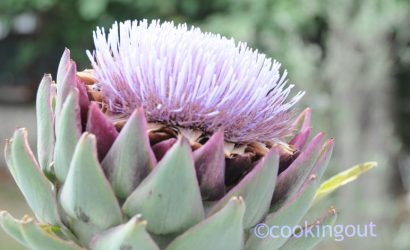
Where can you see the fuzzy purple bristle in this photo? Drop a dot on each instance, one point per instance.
(182, 76)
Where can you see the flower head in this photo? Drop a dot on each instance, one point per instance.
(184, 77)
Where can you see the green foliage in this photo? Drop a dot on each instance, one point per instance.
(342, 179)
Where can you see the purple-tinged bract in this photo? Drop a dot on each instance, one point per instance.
(184, 77)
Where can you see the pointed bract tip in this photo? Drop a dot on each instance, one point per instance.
(219, 134)
(65, 57)
(217, 137)
(272, 151)
(93, 108)
(138, 221)
(47, 76)
(238, 200)
(182, 141)
(21, 131)
(328, 143)
(317, 139)
(140, 110)
(66, 54)
(87, 137)
(139, 114)
(143, 223)
(332, 210)
(303, 120)
(307, 114)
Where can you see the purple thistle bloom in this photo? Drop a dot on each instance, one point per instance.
(182, 76)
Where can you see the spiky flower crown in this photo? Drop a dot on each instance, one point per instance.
(184, 77)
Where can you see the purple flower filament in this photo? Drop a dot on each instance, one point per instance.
(184, 77)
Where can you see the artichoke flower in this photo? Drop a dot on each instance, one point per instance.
(175, 139)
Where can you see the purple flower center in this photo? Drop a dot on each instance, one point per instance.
(184, 77)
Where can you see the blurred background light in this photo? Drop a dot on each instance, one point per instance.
(352, 58)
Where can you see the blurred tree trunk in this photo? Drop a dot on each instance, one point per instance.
(358, 69)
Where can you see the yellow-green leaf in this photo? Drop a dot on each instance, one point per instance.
(342, 178)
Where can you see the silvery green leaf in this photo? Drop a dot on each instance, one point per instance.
(66, 81)
(12, 228)
(223, 230)
(68, 131)
(130, 158)
(86, 196)
(130, 236)
(36, 188)
(256, 188)
(169, 197)
(45, 123)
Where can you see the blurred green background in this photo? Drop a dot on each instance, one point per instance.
(352, 57)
